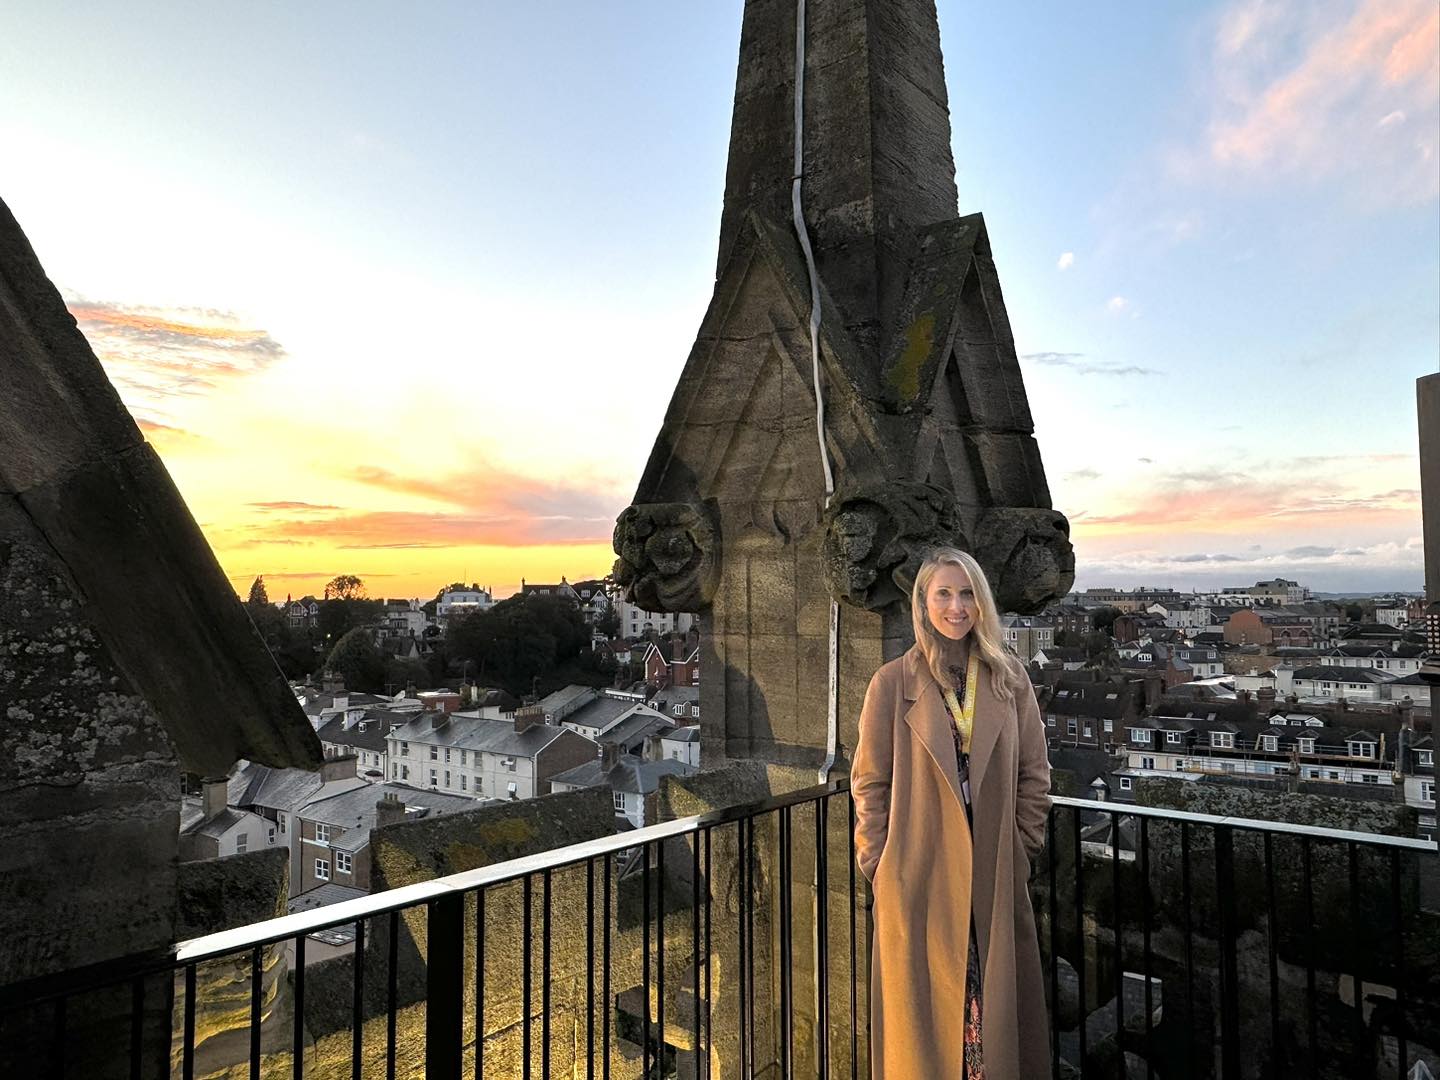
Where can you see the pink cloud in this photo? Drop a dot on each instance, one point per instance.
(1359, 96)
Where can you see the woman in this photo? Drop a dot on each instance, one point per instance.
(951, 782)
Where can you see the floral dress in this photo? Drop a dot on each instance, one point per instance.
(962, 713)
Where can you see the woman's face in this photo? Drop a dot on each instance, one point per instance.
(950, 602)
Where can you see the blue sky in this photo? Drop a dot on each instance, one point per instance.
(341, 258)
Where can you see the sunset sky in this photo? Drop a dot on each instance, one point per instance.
(403, 291)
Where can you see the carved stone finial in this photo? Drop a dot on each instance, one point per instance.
(669, 556)
(877, 536)
(1027, 556)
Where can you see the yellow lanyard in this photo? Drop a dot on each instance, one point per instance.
(964, 716)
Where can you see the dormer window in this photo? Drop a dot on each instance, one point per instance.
(1426, 758)
(1307, 746)
(1173, 736)
(1222, 740)
(1140, 735)
(1270, 743)
(1362, 749)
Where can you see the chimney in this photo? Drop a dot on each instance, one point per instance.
(1265, 698)
(213, 798)
(389, 810)
(528, 717)
(609, 756)
(653, 750)
(1405, 710)
(342, 702)
(337, 768)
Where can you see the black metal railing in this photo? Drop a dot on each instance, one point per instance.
(1247, 948)
(1203, 946)
(463, 928)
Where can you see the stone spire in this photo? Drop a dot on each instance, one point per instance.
(878, 165)
(927, 427)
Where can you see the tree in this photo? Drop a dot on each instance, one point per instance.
(518, 640)
(356, 660)
(609, 623)
(258, 596)
(1105, 619)
(1066, 639)
(345, 587)
(1354, 612)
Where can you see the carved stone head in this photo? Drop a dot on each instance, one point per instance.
(669, 556)
(876, 537)
(1027, 556)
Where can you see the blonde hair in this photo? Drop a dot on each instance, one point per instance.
(986, 637)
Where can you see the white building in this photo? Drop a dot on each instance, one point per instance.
(484, 758)
(629, 779)
(463, 602)
(1327, 682)
(637, 622)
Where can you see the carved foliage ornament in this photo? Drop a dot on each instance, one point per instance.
(669, 556)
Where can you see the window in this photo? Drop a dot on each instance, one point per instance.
(695, 711)
(1222, 740)
(1050, 720)
(463, 781)
(342, 862)
(1307, 746)
(322, 869)
(1427, 791)
(1140, 735)
(322, 832)
(1362, 749)
(404, 749)
(1126, 783)
(280, 820)
(462, 757)
(1111, 697)
(1070, 725)
(1426, 758)
(433, 782)
(1147, 762)
(1270, 743)
(1369, 778)
(447, 755)
(511, 790)
(1109, 727)
(404, 772)
(242, 842)
(270, 835)
(1089, 730)
(447, 777)
(434, 753)
(1172, 736)
(619, 800)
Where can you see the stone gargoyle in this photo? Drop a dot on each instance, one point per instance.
(669, 556)
(877, 536)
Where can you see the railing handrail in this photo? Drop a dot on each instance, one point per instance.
(225, 942)
(1382, 840)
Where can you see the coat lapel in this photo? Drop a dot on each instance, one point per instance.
(990, 716)
(929, 719)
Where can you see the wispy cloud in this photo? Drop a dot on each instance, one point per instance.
(1390, 563)
(285, 504)
(399, 529)
(1227, 501)
(156, 355)
(484, 490)
(1319, 89)
(1117, 304)
(1083, 474)
(1078, 363)
(1066, 261)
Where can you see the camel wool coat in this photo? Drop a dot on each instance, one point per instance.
(928, 873)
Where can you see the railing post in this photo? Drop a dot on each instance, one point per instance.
(1229, 970)
(444, 986)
